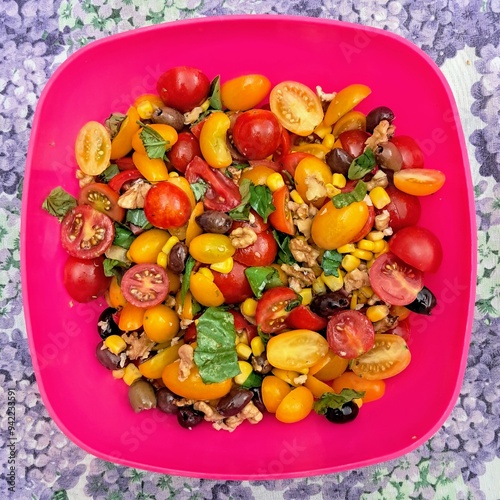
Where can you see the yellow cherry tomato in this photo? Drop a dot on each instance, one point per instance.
(333, 227)
(161, 323)
(329, 367)
(146, 104)
(193, 228)
(146, 247)
(317, 150)
(311, 177)
(184, 310)
(316, 386)
(213, 141)
(419, 181)
(257, 174)
(116, 298)
(168, 133)
(344, 101)
(93, 148)
(206, 292)
(273, 391)
(154, 170)
(174, 281)
(210, 248)
(373, 389)
(153, 367)
(295, 406)
(353, 120)
(121, 144)
(131, 318)
(183, 183)
(244, 92)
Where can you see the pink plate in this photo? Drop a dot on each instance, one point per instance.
(89, 405)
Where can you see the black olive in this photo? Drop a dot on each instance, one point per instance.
(375, 116)
(424, 303)
(257, 399)
(165, 401)
(188, 417)
(107, 358)
(106, 325)
(234, 402)
(347, 413)
(328, 303)
(339, 161)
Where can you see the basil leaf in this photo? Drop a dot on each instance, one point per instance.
(110, 267)
(362, 165)
(261, 200)
(199, 189)
(114, 122)
(262, 278)
(263, 336)
(335, 401)
(342, 200)
(240, 166)
(242, 211)
(123, 236)
(294, 303)
(154, 144)
(109, 173)
(190, 263)
(214, 93)
(330, 262)
(58, 203)
(215, 356)
(284, 253)
(137, 217)
(253, 380)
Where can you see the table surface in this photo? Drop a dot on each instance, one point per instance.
(463, 459)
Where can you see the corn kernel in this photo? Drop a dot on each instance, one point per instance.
(328, 141)
(375, 236)
(131, 374)
(306, 295)
(244, 351)
(350, 247)
(319, 286)
(379, 246)
(379, 197)
(354, 301)
(162, 260)
(350, 262)
(224, 267)
(248, 307)
(358, 401)
(257, 346)
(206, 272)
(275, 181)
(145, 110)
(339, 180)
(241, 338)
(296, 197)
(118, 374)
(245, 369)
(362, 254)
(376, 313)
(173, 174)
(115, 344)
(331, 190)
(367, 291)
(334, 283)
(366, 245)
(322, 130)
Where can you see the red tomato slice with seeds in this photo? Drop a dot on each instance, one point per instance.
(273, 308)
(145, 285)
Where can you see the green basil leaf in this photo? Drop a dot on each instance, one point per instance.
(186, 277)
(261, 200)
(262, 278)
(214, 93)
(58, 203)
(123, 236)
(154, 144)
(137, 217)
(293, 303)
(265, 337)
(199, 189)
(362, 165)
(284, 253)
(335, 401)
(330, 262)
(242, 211)
(215, 356)
(112, 267)
(109, 173)
(342, 200)
(253, 380)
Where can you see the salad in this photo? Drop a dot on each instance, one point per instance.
(258, 247)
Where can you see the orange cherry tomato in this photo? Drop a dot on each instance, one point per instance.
(93, 148)
(419, 181)
(213, 140)
(116, 298)
(131, 317)
(329, 367)
(344, 101)
(273, 390)
(281, 218)
(154, 366)
(311, 177)
(316, 386)
(244, 92)
(353, 120)
(295, 406)
(257, 174)
(121, 144)
(373, 389)
(153, 169)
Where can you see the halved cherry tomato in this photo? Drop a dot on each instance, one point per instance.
(317, 150)
(84, 279)
(205, 291)
(388, 357)
(86, 233)
(394, 281)
(402, 329)
(297, 107)
(183, 151)
(145, 285)
(281, 218)
(244, 92)
(103, 198)
(121, 144)
(344, 101)
(234, 285)
(419, 181)
(284, 145)
(290, 161)
(93, 148)
(273, 308)
(303, 317)
(168, 133)
(329, 367)
(153, 169)
(373, 389)
(353, 120)
(261, 253)
(353, 141)
(311, 177)
(410, 151)
(295, 406)
(404, 209)
(350, 334)
(213, 141)
(117, 182)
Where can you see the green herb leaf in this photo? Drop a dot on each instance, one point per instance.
(214, 93)
(123, 236)
(335, 401)
(112, 267)
(186, 277)
(199, 189)
(242, 211)
(154, 144)
(109, 173)
(137, 217)
(240, 166)
(362, 165)
(114, 122)
(261, 200)
(59, 202)
(253, 380)
(293, 303)
(215, 355)
(342, 200)
(284, 253)
(263, 336)
(262, 278)
(330, 262)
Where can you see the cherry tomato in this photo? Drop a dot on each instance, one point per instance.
(146, 247)
(125, 163)
(257, 223)
(404, 209)
(273, 308)
(123, 178)
(86, 233)
(168, 134)
(154, 366)
(131, 317)
(84, 279)
(261, 253)
(418, 247)
(419, 181)
(281, 218)
(167, 206)
(373, 389)
(368, 225)
(244, 92)
(344, 101)
(210, 248)
(410, 151)
(349, 334)
(183, 151)
(243, 326)
(145, 285)
(258, 174)
(205, 291)
(183, 88)
(353, 120)
(402, 329)
(295, 406)
(213, 141)
(394, 281)
(256, 134)
(353, 141)
(222, 193)
(115, 295)
(233, 285)
(388, 357)
(297, 107)
(303, 317)
(290, 161)
(93, 148)
(329, 367)
(311, 177)
(153, 169)
(103, 198)
(284, 146)
(161, 323)
(121, 144)
(273, 390)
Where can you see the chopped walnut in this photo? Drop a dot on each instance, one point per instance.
(84, 179)
(302, 216)
(299, 210)
(135, 195)
(186, 355)
(382, 220)
(250, 413)
(387, 231)
(298, 277)
(184, 322)
(315, 188)
(381, 133)
(379, 179)
(301, 379)
(175, 341)
(211, 414)
(235, 173)
(303, 252)
(368, 200)
(356, 279)
(373, 299)
(243, 237)
(385, 324)
(170, 301)
(193, 115)
(139, 345)
(184, 402)
(323, 95)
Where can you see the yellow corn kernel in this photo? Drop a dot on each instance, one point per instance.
(331, 190)
(348, 248)
(375, 236)
(339, 180)
(206, 272)
(334, 283)
(245, 369)
(370, 263)
(162, 260)
(244, 351)
(248, 307)
(319, 286)
(358, 401)
(366, 245)
(118, 374)
(379, 197)
(173, 174)
(257, 346)
(379, 246)
(306, 295)
(296, 196)
(322, 130)
(367, 291)
(145, 110)
(362, 254)
(275, 181)
(376, 313)
(115, 344)
(224, 267)
(131, 374)
(328, 141)
(350, 262)
(354, 300)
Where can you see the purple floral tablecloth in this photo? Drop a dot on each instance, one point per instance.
(462, 461)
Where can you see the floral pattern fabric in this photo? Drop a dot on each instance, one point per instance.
(462, 461)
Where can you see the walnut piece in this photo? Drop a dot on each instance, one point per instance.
(184, 402)
(193, 115)
(250, 413)
(379, 179)
(303, 252)
(298, 277)
(381, 133)
(135, 195)
(139, 345)
(211, 414)
(186, 355)
(382, 220)
(356, 279)
(315, 188)
(302, 216)
(243, 237)
(301, 379)
(84, 179)
(325, 97)
(235, 173)
(385, 324)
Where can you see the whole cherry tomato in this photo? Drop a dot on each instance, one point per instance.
(84, 279)
(183, 151)
(404, 209)
(261, 253)
(353, 141)
(234, 285)
(410, 151)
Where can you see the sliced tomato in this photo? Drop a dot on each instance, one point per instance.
(419, 181)
(145, 285)
(102, 198)
(261, 253)
(222, 193)
(119, 180)
(349, 334)
(281, 218)
(86, 233)
(297, 107)
(303, 317)
(273, 308)
(394, 281)
(93, 148)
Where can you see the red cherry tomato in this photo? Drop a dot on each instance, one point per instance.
(290, 161)
(303, 317)
(410, 151)
(145, 285)
(394, 281)
(121, 179)
(167, 206)
(196, 128)
(261, 253)
(281, 218)
(86, 233)
(368, 226)
(350, 334)
(242, 325)
(402, 329)
(257, 224)
(257, 134)
(353, 141)
(183, 88)
(84, 279)
(183, 151)
(272, 308)
(102, 198)
(222, 193)
(404, 209)
(418, 247)
(125, 163)
(233, 285)
(284, 146)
